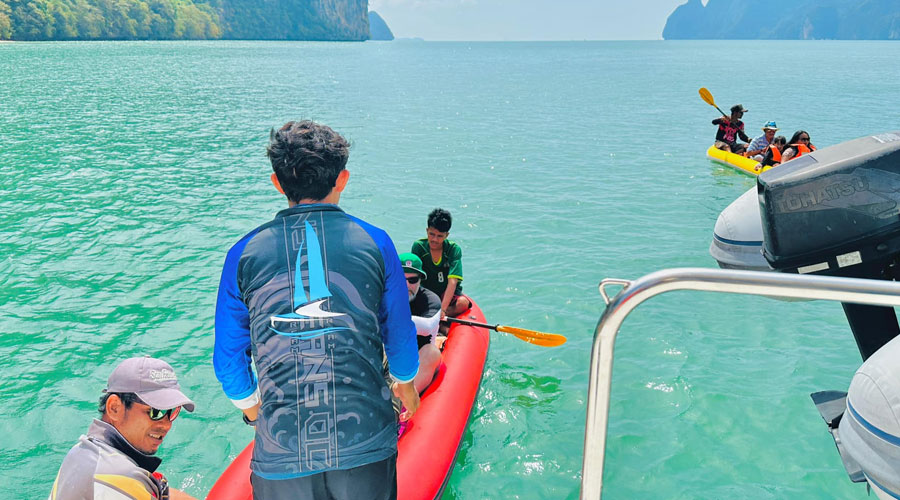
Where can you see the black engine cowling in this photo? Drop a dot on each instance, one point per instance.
(836, 211)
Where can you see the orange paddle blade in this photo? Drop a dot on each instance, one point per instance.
(707, 96)
(533, 337)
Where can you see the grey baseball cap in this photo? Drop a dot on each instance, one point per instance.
(152, 380)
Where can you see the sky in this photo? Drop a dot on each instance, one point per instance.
(508, 20)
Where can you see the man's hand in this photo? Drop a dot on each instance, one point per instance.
(409, 397)
(167, 492)
(449, 292)
(252, 413)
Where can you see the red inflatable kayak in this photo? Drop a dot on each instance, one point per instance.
(428, 446)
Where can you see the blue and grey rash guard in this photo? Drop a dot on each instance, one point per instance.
(317, 297)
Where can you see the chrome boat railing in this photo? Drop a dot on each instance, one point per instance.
(852, 290)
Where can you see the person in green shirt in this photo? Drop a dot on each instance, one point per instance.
(442, 263)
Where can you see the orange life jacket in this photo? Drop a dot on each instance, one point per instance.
(802, 149)
(776, 154)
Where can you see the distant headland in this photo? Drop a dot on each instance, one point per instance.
(327, 20)
(378, 29)
(785, 20)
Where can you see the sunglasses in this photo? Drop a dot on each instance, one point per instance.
(413, 280)
(804, 139)
(157, 415)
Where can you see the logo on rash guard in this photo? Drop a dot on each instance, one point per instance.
(309, 319)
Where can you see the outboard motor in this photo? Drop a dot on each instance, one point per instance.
(738, 236)
(870, 428)
(836, 211)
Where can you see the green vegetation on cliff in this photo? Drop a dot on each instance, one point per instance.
(183, 19)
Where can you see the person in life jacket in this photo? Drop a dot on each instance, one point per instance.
(759, 145)
(798, 146)
(772, 154)
(730, 129)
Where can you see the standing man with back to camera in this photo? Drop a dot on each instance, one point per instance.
(317, 298)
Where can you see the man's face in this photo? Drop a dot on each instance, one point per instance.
(436, 238)
(413, 288)
(770, 134)
(135, 425)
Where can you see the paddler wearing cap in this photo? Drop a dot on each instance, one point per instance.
(758, 145)
(730, 129)
(115, 460)
(425, 307)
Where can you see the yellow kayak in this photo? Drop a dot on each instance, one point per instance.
(746, 165)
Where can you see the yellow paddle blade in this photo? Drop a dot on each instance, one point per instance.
(533, 337)
(707, 97)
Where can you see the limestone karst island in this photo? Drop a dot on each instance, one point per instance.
(331, 20)
(784, 20)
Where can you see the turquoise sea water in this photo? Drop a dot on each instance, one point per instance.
(128, 169)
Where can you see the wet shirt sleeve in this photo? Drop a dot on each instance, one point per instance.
(398, 333)
(455, 258)
(120, 487)
(231, 352)
(427, 313)
(419, 250)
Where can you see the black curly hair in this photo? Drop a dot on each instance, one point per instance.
(307, 158)
(440, 219)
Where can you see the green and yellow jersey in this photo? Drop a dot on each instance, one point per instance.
(449, 266)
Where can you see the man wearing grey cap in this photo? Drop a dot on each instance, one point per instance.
(115, 459)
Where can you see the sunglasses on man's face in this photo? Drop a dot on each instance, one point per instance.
(412, 280)
(157, 415)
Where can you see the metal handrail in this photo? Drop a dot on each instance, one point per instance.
(795, 286)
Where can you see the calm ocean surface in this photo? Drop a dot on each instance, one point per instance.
(128, 169)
